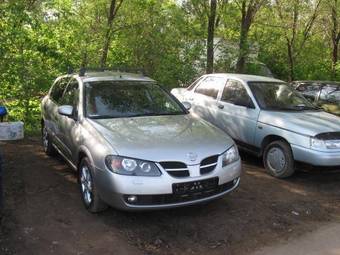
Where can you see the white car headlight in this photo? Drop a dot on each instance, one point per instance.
(130, 166)
(324, 144)
(317, 144)
(230, 156)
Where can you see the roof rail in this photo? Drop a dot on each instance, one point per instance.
(85, 70)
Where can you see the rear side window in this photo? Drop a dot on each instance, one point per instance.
(210, 86)
(58, 90)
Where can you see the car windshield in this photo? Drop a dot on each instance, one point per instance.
(119, 99)
(279, 96)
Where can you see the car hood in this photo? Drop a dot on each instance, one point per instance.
(164, 138)
(308, 123)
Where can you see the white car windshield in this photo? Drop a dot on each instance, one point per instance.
(119, 99)
(279, 96)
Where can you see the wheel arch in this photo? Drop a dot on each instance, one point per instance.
(269, 139)
(83, 153)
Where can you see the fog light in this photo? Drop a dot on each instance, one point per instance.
(235, 181)
(132, 199)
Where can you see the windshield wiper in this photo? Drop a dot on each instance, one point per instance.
(170, 113)
(103, 117)
(154, 114)
(134, 115)
(306, 107)
(281, 109)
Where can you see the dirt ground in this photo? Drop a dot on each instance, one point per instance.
(44, 213)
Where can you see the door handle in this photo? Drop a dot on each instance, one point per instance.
(220, 106)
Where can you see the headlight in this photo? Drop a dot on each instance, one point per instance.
(130, 166)
(317, 144)
(230, 156)
(324, 144)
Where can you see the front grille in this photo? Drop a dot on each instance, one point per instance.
(208, 164)
(180, 198)
(175, 169)
(328, 136)
(181, 173)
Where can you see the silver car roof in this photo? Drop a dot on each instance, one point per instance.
(245, 77)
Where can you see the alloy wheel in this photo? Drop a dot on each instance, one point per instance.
(86, 184)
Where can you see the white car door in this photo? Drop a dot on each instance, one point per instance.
(237, 113)
(203, 97)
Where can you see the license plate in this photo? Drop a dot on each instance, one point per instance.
(195, 186)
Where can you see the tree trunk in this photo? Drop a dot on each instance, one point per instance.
(243, 50)
(248, 14)
(105, 50)
(291, 61)
(210, 41)
(335, 58)
(114, 7)
(335, 38)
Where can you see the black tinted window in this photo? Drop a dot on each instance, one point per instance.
(70, 96)
(113, 99)
(210, 86)
(58, 90)
(234, 91)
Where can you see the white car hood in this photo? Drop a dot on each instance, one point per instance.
(308, 123)
(164, 138)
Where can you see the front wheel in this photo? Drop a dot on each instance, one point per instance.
(88, 189)
(278, 159)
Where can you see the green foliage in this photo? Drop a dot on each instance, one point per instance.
(39, 40)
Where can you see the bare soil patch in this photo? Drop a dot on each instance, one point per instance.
(44, 213)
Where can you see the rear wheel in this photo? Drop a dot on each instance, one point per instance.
(88, 189)
(278, 159)
(47, 143)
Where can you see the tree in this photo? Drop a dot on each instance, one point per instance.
(335, 34)
(211, 33)
(114, 7)
(248, 9)
(297, 27)
(208, 15)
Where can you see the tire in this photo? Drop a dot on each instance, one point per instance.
(47, 143)
(88, 189)
(278, 159)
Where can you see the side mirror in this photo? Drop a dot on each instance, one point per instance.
(187, 105)
(66, 110)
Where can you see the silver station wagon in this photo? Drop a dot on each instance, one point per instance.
(267, 117)
(134, 145)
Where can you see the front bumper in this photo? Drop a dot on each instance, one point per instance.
(315, 158)
(157, 192)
